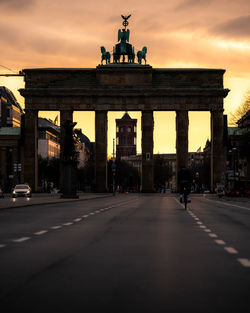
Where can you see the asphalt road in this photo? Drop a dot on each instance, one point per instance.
(130, 253)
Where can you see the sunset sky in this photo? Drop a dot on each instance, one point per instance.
(178, 33)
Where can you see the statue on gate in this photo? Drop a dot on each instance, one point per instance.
(123, 48)
(123, 51)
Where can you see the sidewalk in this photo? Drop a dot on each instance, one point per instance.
(45, 198)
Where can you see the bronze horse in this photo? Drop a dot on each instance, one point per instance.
(142, 55)
(105, 55)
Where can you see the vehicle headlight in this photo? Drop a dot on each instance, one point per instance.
(14, 191)
(28, 191)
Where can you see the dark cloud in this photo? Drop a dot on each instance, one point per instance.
(17, 4)
(238, 28)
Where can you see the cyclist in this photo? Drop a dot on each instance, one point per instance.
(185, 196)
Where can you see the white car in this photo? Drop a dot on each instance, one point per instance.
(21, 191)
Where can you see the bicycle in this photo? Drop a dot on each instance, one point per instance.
(185, 197)
(185, 201)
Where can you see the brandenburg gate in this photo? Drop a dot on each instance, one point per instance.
(125, 86)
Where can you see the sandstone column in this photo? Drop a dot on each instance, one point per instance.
(30, 163)
(147, 126)
(181, 142)
(218, 149)
(101, 128)
(64, 116)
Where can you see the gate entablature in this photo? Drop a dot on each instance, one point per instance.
(124, 87)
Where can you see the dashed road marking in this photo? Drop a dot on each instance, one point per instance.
(220, 242)
(56, 227)
(212, 235)
(2, 246)
(41, 232)
(231, 250)
(207, 230)
(77, 219)
(244, 262)
(92, 213)
(203, 226)
(85, 216)
(21, 239)
(199, 223)
(97, 211)
(68, 224)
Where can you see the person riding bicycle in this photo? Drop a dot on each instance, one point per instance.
(185, 179)
(185, 196)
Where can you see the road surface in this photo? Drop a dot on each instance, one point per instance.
(129, 253)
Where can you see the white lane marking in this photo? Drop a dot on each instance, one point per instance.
(228, 204)
(231, 250)
(212, 235)
(85, 216)
(41, 232)
(196, 218)
(97, 211)
(92, 213)
(207, 230)
(199, 223)
(2, 246)
(21, 239)
(101, 210)
(203, 226)
(77, 219)
(244, 262)
(56, 227)
(220, 242)
(68, 224)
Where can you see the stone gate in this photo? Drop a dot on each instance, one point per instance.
(126, 87)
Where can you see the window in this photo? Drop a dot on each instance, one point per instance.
(129, 129)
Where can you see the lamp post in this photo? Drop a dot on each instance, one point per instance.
(233, 152)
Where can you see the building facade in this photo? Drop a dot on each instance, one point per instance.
(48, 139)
(10, 109)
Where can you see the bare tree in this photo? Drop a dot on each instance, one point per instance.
(241, 110)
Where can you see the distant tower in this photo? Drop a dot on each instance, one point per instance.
(125, 136)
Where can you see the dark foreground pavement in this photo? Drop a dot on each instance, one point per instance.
(130, 253)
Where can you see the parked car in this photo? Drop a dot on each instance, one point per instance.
(1, 193)
(22, 190)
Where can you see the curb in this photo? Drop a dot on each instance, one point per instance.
(53, 202)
